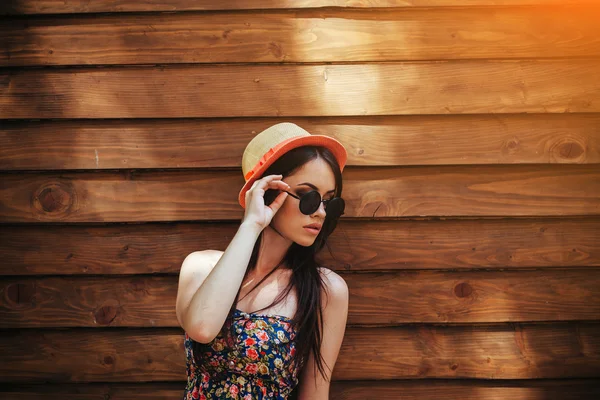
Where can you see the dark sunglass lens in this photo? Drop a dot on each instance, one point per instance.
(309, 203)
(335, 207)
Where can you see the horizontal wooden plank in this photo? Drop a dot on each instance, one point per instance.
(85, 6)
(370, 141)
(563, 389)
(495, 352)
(303, 36)
(473, 191)
(355, 245)
(422, 389)
(449, 87)
(384, 298)
(505, 352)
(462, 244)
(474, 296)
(503, 190)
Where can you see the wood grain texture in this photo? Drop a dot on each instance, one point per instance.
(383, 298)
(303, 36)
(450, 87)
(130, 196)
(484, 82)
(516, 351)
(411, 389)
(370, 141)
(422, 389)
(356, 245)
(466, 389)
(85, 6)
(495, 352)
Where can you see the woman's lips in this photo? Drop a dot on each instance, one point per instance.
(314, 231)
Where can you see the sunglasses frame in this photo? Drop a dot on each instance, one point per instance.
(325, 202)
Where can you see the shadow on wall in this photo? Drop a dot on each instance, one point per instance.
(25, 93)
(11, 7)
(34, 89)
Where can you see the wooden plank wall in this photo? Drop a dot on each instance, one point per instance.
(471, 243)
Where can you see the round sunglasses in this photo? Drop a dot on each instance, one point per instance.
(310, 202)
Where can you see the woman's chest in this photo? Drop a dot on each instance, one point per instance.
(274, 297)
(255, 345)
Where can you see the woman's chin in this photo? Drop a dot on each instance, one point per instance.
(305, 241)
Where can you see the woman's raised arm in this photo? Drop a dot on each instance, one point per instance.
(207, 289)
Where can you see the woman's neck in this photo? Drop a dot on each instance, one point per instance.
(272, 250)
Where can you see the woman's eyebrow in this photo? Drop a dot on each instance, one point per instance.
(314, 187)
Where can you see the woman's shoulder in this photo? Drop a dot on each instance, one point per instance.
(200, 261)
(335, 286)
(203, 256)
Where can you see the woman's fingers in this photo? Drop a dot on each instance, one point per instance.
(264, 181)
(268, 182)
(255, 207)
(278, 202)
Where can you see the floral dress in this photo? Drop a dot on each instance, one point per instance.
(257, 366)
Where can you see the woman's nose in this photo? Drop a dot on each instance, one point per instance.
(321, 210)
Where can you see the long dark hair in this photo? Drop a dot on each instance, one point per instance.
(305, 279)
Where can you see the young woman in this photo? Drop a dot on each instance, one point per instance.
(262, 319)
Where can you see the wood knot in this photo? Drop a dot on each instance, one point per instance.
(108, 360)
(123, 253)
(454, 367)
(424, 370)
(106, 314)
(276, 50)
(463, 290)
(55, 199)
(138, 285)
(511, 146)
(568, 149)
(20, 294)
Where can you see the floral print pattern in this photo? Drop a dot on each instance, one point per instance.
(256, 366)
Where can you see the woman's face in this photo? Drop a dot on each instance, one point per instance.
(289, 220)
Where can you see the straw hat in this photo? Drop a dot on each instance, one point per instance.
(273, 142)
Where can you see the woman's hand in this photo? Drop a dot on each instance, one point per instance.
(256, 211)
